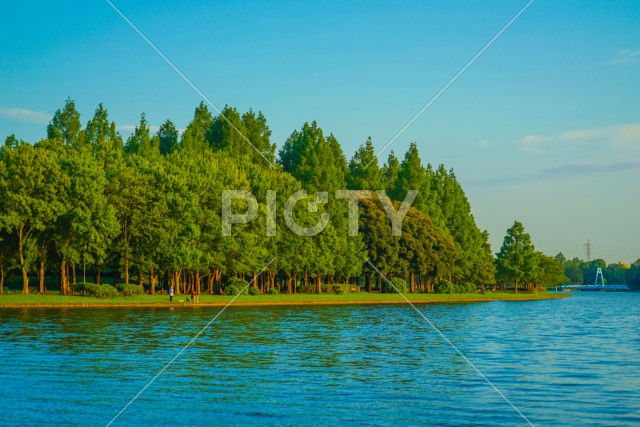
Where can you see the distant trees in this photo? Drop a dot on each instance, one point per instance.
(580, 272)
(551, 271)
(633, 275)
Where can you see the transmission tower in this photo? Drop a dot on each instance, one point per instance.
(588, 245)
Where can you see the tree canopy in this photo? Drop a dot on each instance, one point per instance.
(148, 209)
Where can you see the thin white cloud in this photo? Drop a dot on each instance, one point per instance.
(626, 56)
(619, 137)
(589, 169)
(567, 170)
(24, 115)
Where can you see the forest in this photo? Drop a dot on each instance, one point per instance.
(147, 210)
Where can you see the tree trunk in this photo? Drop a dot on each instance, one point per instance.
(289, 280)
(23, 268)
(217, 281)
(210, 281)
(272, 278)
(1, 279)
(176, 281)
(73, 272)
(152, 281)
(63, 275)
(184, 282)
(412, 282)
(367, 285)
(516, 286)
(96, 276)
(43, 289)
(318, 284)
(126, 270)
(140, 278)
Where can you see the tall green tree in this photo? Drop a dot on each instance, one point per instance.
(102, 136)
(474, 263)
(390, 173)
(32, 184)
(168, 135)
(246, 135)
(412, 175)
(317, 162)
(364, 171)
(87, 225)
(195, 135)
(65, 125)
(516, 261)
(140, 140)
(551, 271)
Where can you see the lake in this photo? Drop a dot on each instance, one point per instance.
(574, 361)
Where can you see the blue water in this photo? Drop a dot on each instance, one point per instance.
(572, 362)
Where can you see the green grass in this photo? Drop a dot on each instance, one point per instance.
(54, 299)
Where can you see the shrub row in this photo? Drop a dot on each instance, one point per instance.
(93, 290)
(106, 291)
(237, 285)
(446, 287)
(395, 285)
(129, 290)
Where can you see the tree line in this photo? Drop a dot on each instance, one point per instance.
(519, 264)
(580, 272)
(147, 209)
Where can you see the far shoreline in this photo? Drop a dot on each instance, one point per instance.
(12, 301)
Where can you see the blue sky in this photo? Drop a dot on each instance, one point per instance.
(544, 127)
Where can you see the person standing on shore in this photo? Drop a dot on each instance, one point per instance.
(170, 293)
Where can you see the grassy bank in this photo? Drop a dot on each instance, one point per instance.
(56, 300)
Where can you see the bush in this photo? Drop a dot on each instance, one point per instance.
(235, 286)
(129, 290)
(273, 291)
(253, 291)
(307, 289)
(93, 290)
(238, 283)
(471, 288)
(444, 287)
(394, 285)
(230, 290)
(337, 289)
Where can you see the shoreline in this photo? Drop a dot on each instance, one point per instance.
(28, 301)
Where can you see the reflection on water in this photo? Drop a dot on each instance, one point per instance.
(563, 362)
